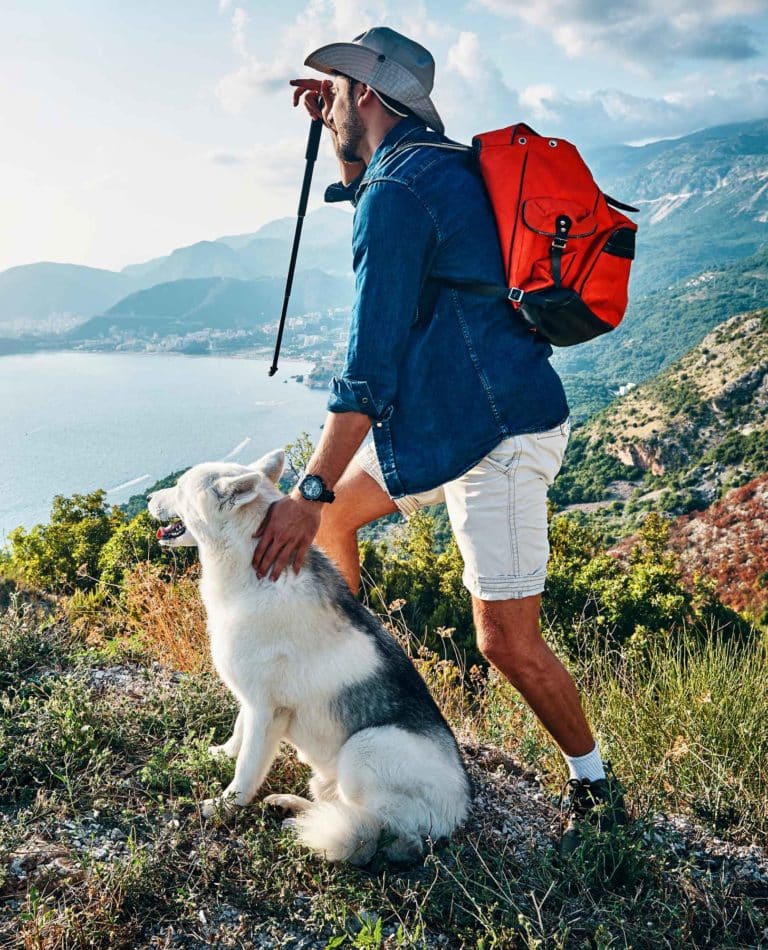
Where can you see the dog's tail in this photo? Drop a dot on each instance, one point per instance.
(339, 831)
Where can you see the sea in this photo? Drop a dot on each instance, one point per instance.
(75, 422)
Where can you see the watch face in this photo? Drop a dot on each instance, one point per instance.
(312, 487)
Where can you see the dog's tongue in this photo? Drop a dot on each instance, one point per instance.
(170, 530)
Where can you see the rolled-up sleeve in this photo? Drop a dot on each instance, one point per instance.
(394, 240)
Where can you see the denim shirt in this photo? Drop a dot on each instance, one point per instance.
(444, 374)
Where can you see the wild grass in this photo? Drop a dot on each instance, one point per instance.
(685, 726)
(100, 780)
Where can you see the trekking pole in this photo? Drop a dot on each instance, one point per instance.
(315, 128)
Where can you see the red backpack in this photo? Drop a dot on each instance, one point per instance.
(567, 250)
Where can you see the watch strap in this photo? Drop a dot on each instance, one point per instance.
(325, 495)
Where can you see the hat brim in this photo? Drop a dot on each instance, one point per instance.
(385, 76)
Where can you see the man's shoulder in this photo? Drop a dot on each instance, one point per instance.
(409, 162)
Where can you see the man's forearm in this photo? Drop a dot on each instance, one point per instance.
(342, 435)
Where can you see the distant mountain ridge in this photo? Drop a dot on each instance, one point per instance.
(703, 198)
(33, 293)
(217, 303)
(37, 292)
(660, 327)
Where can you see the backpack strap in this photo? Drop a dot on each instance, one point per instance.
(495, 291)
(450, 146)
(620, 204)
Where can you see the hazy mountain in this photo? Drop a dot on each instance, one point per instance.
(37, 292)
(182, 306)
(703, 198)
(322, 226)
(325, 245)
(203, 259)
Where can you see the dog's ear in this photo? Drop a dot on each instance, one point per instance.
(235, 490)
(270, 465)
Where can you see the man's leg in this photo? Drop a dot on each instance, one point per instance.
(509, 637)
(359, 500)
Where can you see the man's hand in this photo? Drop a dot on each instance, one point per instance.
(317, 91)
(312, 90)
(285, 535)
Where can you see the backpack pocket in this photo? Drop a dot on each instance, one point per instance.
(544, 220)
(540, 215)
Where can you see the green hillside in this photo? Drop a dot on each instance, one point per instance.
(702, 199)
(658, 329)
(678, 441)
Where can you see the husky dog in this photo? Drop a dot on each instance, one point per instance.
(309, 664)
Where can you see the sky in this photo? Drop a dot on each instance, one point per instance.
(131, 129)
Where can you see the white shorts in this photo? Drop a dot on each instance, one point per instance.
(498, 511)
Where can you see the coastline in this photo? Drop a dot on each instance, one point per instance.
(74, 421)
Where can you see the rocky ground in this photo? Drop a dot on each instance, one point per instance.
(56, 856)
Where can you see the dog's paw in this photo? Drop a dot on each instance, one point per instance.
(221, 805)
(210, 806)
(288, 804)
(225, 750)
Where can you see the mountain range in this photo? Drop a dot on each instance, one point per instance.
(702, 199)
(703, 227)
(217, 303)
(35, 293)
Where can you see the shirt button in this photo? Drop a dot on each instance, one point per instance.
(364, 400)
(378, 425)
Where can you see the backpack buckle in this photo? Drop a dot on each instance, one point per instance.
(559, 243)
(515, 295)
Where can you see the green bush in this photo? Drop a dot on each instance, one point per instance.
(130, 544)
(63, 555)
(409, 570)
(633, 600)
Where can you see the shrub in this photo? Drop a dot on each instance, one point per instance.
(407, 568)
(633, 600)
(63, 555)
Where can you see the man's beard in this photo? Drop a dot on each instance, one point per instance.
(350, 134)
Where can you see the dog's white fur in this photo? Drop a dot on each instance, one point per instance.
(287, 652)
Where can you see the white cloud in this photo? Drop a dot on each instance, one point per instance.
(237, 89)
(477, 98)
(656, 31)
(318, 23)
(608, 116)
(473, 93)
(537, 101)
(239, 23)
(280, 163)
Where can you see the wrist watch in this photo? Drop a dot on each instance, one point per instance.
(312, 487)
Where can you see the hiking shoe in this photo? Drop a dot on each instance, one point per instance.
(599, 802)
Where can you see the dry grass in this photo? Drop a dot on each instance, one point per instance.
(167, 616)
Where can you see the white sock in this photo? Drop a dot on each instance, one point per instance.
(586, 766)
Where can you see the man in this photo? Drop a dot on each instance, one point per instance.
(462, 399)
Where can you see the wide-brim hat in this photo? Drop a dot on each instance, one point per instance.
(389, 63)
